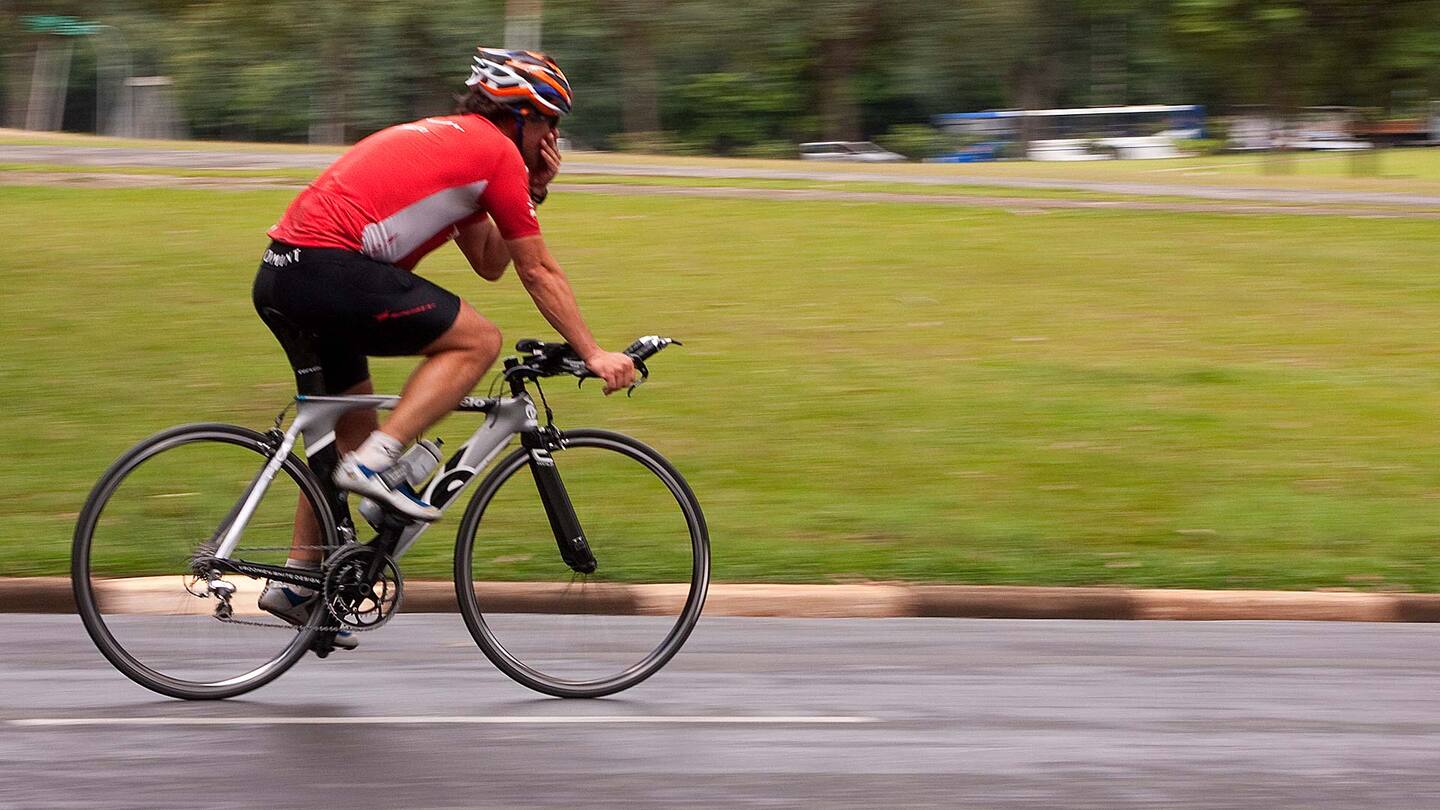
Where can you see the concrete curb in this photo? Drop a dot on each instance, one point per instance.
(36, 595)
(147, 594)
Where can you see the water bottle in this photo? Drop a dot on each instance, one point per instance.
(409, 470)
(414, 466)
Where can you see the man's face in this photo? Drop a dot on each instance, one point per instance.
(538, 130)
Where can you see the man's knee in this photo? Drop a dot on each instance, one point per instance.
(471, 338)
(477, 337)
(488, 340)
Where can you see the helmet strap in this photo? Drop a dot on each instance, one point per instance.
(519, 126)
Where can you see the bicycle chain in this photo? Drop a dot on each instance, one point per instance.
(287, 625)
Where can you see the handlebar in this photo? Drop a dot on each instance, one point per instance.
(542, 359)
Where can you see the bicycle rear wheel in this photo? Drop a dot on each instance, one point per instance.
(151, 513)
(584, 635)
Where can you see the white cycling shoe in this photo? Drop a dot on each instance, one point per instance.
(279, 599)
(352, 476)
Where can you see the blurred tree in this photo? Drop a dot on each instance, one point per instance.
(745, 78)
(413, 57)
(729, 112)
(225, 91)
(637, 24)
(1381, 55)
(18, 44)
(17, 63)
(337, 41)
(1252, 51)
(842, 31)
(1289, 53)
(581, 36)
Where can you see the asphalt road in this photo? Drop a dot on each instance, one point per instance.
(594, 163)
(760, 712)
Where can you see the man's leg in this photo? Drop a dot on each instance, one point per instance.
(292, 602)
(454, 364)
(350, 430)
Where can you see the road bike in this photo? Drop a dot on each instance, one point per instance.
(575, 585)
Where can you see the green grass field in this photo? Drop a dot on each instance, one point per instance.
(866, 391)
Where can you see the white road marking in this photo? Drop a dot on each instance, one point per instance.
(495, 720)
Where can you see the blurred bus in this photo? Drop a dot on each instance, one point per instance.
(1078, 133)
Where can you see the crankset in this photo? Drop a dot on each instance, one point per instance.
(362, 588)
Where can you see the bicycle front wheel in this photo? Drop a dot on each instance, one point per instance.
(155, 510)
(572, 634)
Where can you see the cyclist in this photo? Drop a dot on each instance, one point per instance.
(336, 286)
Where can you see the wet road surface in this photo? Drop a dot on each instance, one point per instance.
(760, 712)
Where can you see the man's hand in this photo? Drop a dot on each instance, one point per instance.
(615, 368)
(540, 176)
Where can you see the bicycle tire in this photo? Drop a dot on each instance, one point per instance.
(497, 651)
(82, 576)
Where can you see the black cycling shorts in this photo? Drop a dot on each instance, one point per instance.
(331, 308)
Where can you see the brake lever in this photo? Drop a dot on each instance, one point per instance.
(629, 392)
(575, 367)
(644, 375)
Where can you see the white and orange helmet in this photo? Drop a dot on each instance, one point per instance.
(521, 77)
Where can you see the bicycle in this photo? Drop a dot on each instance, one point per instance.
(590, 599)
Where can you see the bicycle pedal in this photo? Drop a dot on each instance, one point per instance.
(323, 645)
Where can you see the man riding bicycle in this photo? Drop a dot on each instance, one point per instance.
(336, 286)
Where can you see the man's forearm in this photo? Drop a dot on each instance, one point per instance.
(551, 292)
(496, 257)
(484, 249)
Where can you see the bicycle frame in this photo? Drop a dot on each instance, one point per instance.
(315, 419)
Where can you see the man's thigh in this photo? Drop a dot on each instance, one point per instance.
(330, 309)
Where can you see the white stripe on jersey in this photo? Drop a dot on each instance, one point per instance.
(396, 236)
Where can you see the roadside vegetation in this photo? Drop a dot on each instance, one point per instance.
(867, 392)
(751, 79)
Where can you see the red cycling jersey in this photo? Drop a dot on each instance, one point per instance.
(404, 191)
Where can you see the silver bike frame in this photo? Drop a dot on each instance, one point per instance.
(315, 418)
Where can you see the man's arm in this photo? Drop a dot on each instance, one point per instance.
(483, 247)
(550, 290)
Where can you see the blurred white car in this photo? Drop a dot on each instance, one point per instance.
(851, 151)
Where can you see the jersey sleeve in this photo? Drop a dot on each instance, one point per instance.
(507, 198)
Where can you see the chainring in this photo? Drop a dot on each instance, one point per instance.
(355, 600)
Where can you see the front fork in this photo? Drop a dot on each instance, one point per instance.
(564, 523)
